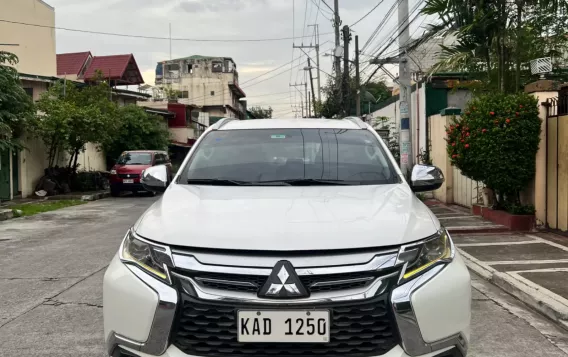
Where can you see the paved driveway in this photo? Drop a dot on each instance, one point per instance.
(51, 269)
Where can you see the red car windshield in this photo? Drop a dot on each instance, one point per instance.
(135, 158)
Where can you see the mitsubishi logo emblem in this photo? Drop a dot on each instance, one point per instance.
(283, 283)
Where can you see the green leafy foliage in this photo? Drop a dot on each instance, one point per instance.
(496, 141)
(371, 94)
(135, 130)
(71, 117)
(16, 106)
(261, 113)
(496, 39)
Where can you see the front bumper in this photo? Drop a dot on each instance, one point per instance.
(432, 313)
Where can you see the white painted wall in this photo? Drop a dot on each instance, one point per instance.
(418, 125)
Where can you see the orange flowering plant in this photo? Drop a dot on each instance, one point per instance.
(495, 141)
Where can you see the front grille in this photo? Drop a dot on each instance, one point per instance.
(126, 176)
(358, 328)
(230, 282)
(253, 283)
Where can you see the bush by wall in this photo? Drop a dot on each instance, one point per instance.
(495, 142)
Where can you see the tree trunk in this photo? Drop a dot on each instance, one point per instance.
(75, 163)
(520, 4)
(70, 161)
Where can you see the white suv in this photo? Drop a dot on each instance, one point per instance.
(296, 237)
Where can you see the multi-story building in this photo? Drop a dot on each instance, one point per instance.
(210, 84)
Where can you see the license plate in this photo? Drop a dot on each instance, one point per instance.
(128, 181)
(283, 326)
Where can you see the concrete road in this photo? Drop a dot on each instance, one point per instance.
(52, 264)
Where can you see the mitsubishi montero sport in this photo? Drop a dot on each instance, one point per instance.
(297, 237)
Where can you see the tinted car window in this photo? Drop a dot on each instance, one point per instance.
(159, 159)
(135, 158)
(256, 156)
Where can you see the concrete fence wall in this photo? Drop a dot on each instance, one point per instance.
(457, 188)
(33, 162)
(437, 136)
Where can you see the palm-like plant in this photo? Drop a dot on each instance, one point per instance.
(495, 37)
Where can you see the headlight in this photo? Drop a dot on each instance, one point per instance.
(425, 255)
(151, 258)
(113, 172)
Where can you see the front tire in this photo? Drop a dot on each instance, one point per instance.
(114, 191)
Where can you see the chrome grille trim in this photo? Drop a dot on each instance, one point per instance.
(344, 281)
(335, 296)
(228, 282)
(189, 262)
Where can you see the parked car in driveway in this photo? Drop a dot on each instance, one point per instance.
(296, 237)
(125, 174)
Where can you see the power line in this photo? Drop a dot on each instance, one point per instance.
(367, 14)
(329, 7)
(155, 37)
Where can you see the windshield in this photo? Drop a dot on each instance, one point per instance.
(135, 158)
(317, 156)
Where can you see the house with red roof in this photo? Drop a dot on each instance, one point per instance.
(118, 70)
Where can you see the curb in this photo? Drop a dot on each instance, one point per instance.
(6, 214)
(544, 303)
(477, 229)
(92, 197)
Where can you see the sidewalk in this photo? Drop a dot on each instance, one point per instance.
(457, 219)
(532, 267)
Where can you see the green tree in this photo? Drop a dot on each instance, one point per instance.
(261, 113)
(135, 130)
(16, 106)
(371, 94)
(496, 39)
(71, 117)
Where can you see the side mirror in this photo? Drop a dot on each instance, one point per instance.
(426, 178)
(155, 178)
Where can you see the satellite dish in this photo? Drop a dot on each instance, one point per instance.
(541, 66)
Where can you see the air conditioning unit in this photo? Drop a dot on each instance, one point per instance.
(541, 66)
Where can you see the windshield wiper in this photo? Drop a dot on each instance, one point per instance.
(217, 182)
(312, 182)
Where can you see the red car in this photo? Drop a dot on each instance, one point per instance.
(125, 174)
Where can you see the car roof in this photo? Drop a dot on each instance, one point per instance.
(146, 151)
(290, 124)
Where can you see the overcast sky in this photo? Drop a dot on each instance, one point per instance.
(221, 19)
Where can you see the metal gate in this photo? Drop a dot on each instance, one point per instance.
(5, 175)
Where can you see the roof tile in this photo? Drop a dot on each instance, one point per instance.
(71, 63)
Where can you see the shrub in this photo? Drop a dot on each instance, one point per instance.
(495, 142)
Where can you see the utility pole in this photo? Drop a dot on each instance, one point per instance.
(336, 23)
(345, 91)
(357, 78)
(309, 107)
(301, 47)
(312, 86)
(406, 156)
(295, 85)
(307, 100)
(318, 61)
(404, 81)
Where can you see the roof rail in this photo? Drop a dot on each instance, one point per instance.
(357, 121)
(220, 123)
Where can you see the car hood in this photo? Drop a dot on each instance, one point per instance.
(285, 218)
(130, 169)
